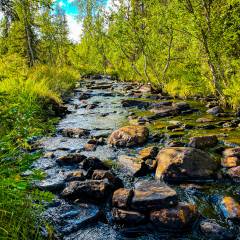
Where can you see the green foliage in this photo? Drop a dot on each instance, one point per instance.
(185, 47)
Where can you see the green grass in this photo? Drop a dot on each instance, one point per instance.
(24, 94)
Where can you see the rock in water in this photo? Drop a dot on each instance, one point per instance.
(184, 164)
(211, 229)
(135, 103)
(133, 166)
(231, 157)
(148, 153)
(129, 136)
(91, 190)
(71, 159)
(230, 208)
(152, 195)
(177, 218)
(203, 142)
(214, 110)
(75, 132)
(122, 198)
(129, 218)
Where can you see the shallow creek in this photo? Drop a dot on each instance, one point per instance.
(101, 113)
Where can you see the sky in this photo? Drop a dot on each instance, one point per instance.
(75, 27)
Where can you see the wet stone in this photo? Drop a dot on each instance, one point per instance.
(135, 103)
(129, 136)
(98, 231)
(148, 153)
(203, 142)
(215, 110)
(133, 166)
(75, 132)
(89, 190)
(234, 173)
(90, 147)
(177, 218)
(230, 208)
(93, 163)
(68, 218)
(84, 96)
(129, 218)
(104, 174)
(152, 195)
(71, 159)
(122, 198)
(185, 164)
(77, 175)
(211, 229)
(51, 184)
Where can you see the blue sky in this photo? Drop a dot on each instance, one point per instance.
(75, 27)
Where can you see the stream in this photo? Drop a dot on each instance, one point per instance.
(98, 107)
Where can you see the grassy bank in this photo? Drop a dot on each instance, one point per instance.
(24, 95)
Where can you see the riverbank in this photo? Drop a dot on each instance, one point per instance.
(30, 108)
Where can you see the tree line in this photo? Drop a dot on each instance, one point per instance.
(185, 47)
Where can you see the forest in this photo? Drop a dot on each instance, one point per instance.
(184, 49)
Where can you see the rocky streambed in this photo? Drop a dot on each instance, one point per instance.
(128, 162)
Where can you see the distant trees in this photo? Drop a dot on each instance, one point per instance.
(185, 47)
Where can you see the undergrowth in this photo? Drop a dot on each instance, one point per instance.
(24, 94)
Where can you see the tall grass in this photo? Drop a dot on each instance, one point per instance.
(24, 93)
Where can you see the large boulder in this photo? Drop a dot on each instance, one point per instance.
(152, 195)
(129, 136)
(91, 190)
(176, 218)
(184, 164)
(203, 141)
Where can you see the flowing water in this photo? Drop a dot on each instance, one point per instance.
(88, 221)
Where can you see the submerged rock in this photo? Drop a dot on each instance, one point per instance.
(185, 164)
(211, 229)
(69, 218)
(214, 110)
(152, 195)
(135, 103)
(75, 132)
(129, 218)
(129, 136)
(177, 218)
(203, 142)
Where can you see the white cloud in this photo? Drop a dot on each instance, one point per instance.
(70, 1)
(75, 28)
